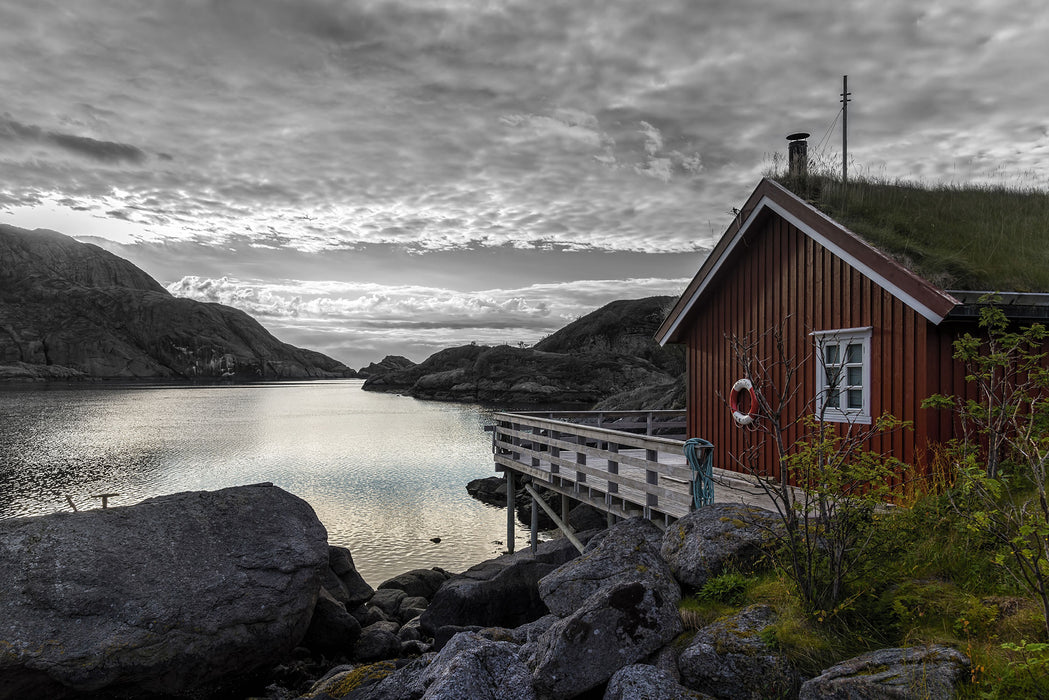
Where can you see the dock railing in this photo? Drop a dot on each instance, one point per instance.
(622, 462)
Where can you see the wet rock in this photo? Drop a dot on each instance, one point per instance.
(642, 681)
(418, 582)
(378, 641)
(356, 589)
(368, 614)
(172, 595)
(698, 545)
(617, 626)
(389, 601)
(501, 592)
(932, 672)
(410, 607)
(332, 630)
(628, 551)
(728, 659)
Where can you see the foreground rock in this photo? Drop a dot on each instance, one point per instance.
(617, 626)
(502, 592)
(641, 681)
(165, 597)
(729, 659)
(698, 546)
(628, 551)
(931, 672)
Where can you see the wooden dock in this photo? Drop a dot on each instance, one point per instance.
(624, 463)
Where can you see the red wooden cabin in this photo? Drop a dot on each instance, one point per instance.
(841, 305)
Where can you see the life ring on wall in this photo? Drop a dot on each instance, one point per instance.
(740, 387)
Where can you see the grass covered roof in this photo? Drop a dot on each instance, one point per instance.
(957, 237)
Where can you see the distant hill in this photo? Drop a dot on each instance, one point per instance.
(607, 354)
(73, 310)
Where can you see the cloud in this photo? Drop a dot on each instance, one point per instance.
(397, 316)
(105, 151)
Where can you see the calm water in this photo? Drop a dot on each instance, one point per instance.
(384, 473)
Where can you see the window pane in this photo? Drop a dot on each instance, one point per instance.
(855, 398)
(830, 354)
(833, 374)
(855, 376)
(854, 353)
(833, 398)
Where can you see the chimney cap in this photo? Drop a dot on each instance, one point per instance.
(798, 136)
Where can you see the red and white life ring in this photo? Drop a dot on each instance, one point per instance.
(743, 417)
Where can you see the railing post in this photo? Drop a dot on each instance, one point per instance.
(511, 497)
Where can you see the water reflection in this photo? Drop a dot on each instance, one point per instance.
(384, 473)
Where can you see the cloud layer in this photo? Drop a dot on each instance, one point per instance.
(257, 139)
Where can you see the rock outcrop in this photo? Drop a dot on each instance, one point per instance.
(600, 355)
(72, 310)
(166, 596)
(390, 363)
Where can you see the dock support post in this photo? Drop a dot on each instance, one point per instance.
(534, 532)
(565, 507)
(510, 514)
(557, 521)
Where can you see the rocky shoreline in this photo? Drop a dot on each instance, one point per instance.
(236, 593)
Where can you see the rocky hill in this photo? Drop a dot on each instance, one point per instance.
(606, 354)
(72, 310)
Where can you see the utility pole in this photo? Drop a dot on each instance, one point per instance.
(844, 132)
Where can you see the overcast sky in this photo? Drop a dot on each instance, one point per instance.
(395, 176)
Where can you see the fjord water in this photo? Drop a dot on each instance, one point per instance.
(384, 473)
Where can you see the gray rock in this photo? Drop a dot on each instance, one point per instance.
(418, 582)
(378, 641)
(414, 647)
(618, 626)
(628, 551)
(356, 681)
(471, 666)
(167, 596)
(410, 630)
(728, 659)
(698, 545)
(389, 601)
(368, 614)
(932, 672)
(340, 561)
(647, 682)
(501, 592)
(411, 606)
(332, 630)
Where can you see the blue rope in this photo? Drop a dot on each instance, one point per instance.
(700, 455)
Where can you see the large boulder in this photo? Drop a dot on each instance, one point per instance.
(932, 672)
(619, 625)
(627, 551)
(168, 596)
(500, 592)
(698, 545)
(729, 659)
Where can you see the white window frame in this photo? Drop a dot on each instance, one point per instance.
(841, 412)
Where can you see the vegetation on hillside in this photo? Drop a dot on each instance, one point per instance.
(971, 237)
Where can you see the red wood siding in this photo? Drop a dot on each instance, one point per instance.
(780, 277)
